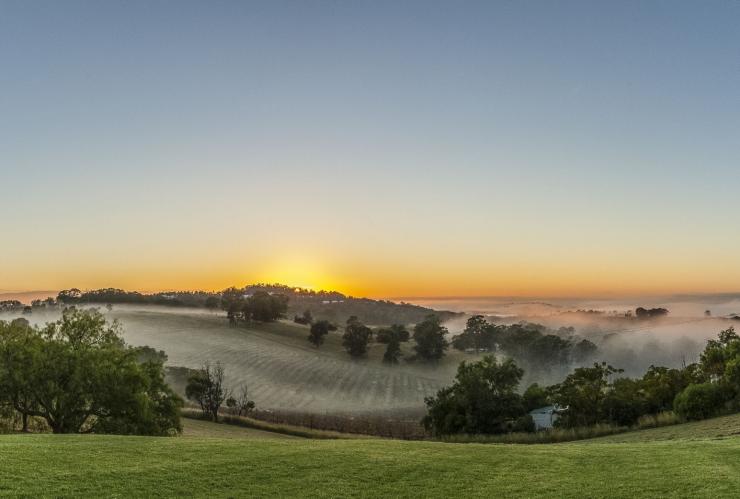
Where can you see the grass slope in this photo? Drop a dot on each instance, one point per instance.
(196, 428)
(283, 370)
(716, 428)
(85, 465)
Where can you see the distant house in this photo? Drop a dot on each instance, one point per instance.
(545, 417)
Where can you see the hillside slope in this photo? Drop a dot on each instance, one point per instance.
(282, 369)
(89, 465)
(716, 428)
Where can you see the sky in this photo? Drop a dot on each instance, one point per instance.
(385, 149)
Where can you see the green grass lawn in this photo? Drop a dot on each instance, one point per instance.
(716, 428)
(238, 465)
(196, 428)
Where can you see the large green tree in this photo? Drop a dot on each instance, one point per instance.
(482, 399)
(583, 393)
(20, 348)
(78, 375)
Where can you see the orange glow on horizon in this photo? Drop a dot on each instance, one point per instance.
(366, 275)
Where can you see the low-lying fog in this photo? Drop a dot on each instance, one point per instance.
(627, 343)
(286, 373)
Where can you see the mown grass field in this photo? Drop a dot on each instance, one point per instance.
(216, 464)
(196, 428)
(716, 428)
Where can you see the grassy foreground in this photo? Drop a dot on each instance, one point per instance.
(90, 465)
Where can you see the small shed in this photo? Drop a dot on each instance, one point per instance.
(545, 417)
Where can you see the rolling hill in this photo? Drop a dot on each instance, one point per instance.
(282, 369)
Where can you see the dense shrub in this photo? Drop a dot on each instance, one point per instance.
(482, 400)
(700, 401)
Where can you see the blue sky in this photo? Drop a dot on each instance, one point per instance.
(382, 147)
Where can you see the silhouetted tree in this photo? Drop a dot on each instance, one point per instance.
(393, 337)
(232, 301)
(265, 307)
(356, 337)
(429, 336)
(643, 313)
(584, 351)
(319, 329)
(212, 302)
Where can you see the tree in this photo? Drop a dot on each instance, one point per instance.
(392, 352)
(643, 313)
(583, 393)
(393, 337)
(241, 404)
(624, 403)
(534, 397)
(719, 352)
(19, 354)
(78, 375)
(547, 352)
(479, 334)
(69, 296)
(584, 351)
(232, 301)
(356, 337)
(396, 331)
(319, 329)
(305, 319)
(148, 354)
(660, 385)
(482, 399)
(161, 416)
(206, 387)
(211, 303)
(430, 338)
(265, 307)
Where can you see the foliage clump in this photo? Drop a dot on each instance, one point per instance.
(319, 330)
(78, 375)
(482, 400)
(356, 337)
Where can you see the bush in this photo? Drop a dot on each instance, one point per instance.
(482, 400)
(524, 424)
(699, 401)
